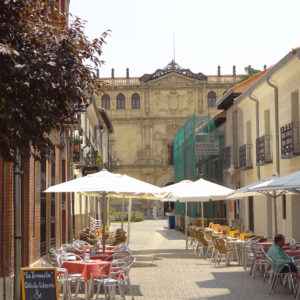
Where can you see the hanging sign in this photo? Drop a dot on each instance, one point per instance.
(39, 283)
(206, 145)
(204, 149)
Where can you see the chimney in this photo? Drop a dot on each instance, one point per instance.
(234, 71)
(219, 70)
(112, 73)
(265, 67)
(127, 73)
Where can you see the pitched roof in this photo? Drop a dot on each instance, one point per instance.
(239, 88)
(267, 76)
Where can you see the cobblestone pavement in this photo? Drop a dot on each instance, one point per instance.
(166, 271)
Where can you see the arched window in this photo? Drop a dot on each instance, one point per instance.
(105, 101)
(135, 101)
(211, 99)
(120, 101)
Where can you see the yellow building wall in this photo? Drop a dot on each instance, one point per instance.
(288, 80)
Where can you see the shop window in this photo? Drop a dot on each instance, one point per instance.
(52, 209)
(251, 213)
(43, 219)
(63, 203)
(237, 209)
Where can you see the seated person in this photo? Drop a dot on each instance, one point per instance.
(279, 257)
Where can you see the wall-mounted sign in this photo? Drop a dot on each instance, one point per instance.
(206, 144)
(205, 149)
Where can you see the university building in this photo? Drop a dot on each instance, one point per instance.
(147, 111)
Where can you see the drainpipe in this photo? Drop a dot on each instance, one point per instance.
(276, 124)
(18, 224)
(257, 127)
(272, 85)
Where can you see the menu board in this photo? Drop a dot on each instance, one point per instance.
(39, 283)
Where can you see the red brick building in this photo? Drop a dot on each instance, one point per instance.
(45, 218)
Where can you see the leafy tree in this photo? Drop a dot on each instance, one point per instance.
(46, 73)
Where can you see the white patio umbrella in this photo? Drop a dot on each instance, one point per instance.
(272, 188)
(261, 187)
(106, 184)
(289, 183)
(197, 191)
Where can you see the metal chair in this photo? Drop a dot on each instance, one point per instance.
(72, 278)
(276, 275)
(222, 251)
(259, 262)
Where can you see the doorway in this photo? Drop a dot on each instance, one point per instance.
(251, 213)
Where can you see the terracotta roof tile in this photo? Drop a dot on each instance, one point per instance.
(239, 88)
(245, 84)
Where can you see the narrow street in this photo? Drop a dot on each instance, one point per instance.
(164, 270)
(126, 110)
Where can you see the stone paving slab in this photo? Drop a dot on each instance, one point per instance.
(166, 271)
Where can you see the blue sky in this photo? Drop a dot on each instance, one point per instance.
(207, 32)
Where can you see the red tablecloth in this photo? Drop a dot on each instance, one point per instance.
(102, 256)
(90, 269)
(107, 251)
(291, 252)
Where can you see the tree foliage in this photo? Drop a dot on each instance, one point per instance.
(47, 73)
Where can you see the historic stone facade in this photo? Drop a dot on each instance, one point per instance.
(146, 113)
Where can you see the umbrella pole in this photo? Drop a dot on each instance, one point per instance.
(103, 222)
(186, 223)
(275, 212)
(99, 208)
(202, 214)
(122, 214)
(108, 213)
(129, 219)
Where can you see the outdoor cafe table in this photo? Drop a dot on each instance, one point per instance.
(293, 252)
(88, 269)
(106, 256)
(239, 249)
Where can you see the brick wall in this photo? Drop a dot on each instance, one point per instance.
(25, 211)
(6, 218)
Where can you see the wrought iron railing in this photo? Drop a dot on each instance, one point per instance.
(290, 139)
(245, 156)
(263, 150)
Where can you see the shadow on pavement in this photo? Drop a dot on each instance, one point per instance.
(144, 265)
(171, 234)
(135, 291)
(146, 258)
(238, 285)
(166, 253)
